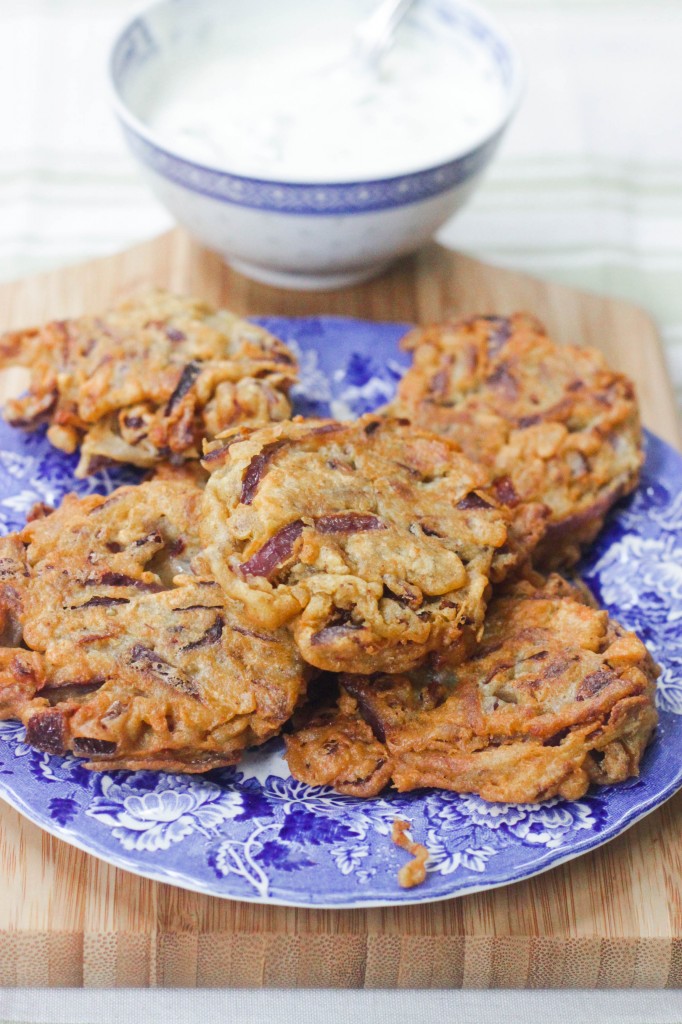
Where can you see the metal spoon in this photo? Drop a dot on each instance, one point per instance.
(374, 35)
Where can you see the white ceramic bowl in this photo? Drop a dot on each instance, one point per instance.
(296, 234)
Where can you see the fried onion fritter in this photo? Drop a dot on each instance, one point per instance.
(147, 381)
(550, 423)
(374, 541)
(556, 697)
(114, 650)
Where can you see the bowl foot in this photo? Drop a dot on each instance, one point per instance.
(302, 281)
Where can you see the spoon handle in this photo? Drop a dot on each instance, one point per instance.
(374, 35)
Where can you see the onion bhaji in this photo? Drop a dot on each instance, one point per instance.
(113, 649)
(147, 381)
(551, 423)
(171, 626)
(557, 696)
(374, 540)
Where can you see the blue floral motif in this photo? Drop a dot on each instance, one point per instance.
(151, 814)
(44, 768)
(13, 734)
(293, 824)
(63, 809)
(254, 833)
(336, 380)
(639, 577)
(466, 832)
(548, 824)
(644, 568)
(32, 471)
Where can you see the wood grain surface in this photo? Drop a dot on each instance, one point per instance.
(610, 919)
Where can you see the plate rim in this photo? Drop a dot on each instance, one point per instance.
(180, 881)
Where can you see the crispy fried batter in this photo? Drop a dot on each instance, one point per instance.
(167, 626)
(132, 661)
(557, 696)
(550, 423)
(148, 380)
(414, 872)
(374, 540)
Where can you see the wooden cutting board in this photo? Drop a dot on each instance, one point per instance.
(610, 919)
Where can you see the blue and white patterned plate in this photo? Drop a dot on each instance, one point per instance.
(253, 833)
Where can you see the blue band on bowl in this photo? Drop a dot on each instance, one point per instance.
(337, 198)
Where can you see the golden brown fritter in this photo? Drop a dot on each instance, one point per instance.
(375, 541)
(128, 658)
(147, 381)
(556, 697)
(550, 423)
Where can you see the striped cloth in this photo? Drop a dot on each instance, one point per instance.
(587, 188)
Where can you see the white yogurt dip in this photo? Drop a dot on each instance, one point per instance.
(294, 111)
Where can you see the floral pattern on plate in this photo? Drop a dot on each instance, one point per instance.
(254, 833)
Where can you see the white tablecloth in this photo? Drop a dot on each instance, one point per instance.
(587, 190)
(314, 1006)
